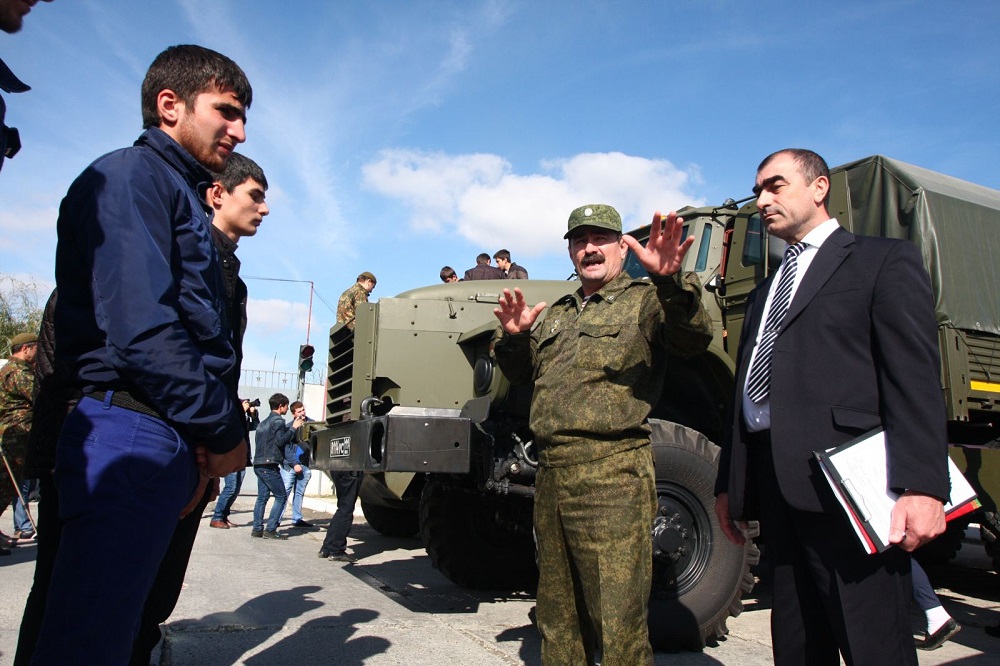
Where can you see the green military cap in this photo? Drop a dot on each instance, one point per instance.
(367, 276)
(23, 339)
(594, 215)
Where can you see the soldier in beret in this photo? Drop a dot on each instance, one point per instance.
(17, 384)
(597, 362)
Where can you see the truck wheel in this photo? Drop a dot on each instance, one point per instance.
(391, 522)
(476, 541)
(699, 577)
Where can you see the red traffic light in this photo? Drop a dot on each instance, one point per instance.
(306, 351)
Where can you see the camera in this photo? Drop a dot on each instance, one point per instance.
(253, 403)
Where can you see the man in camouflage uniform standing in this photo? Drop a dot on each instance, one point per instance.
(357, 293)
(17, 384)
(598, 361)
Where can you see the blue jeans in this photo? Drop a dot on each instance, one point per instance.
(298, 483)
(114, 467)
(231, 484)
(21, 521)
(268, 483)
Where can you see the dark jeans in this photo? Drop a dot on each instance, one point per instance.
(347, 485)
(231, 485)
(923, 592)
(268, 483)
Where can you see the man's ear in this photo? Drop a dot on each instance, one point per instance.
(822, 184)
(170, 107)
(214, 195)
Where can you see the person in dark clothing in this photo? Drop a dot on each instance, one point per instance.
(483, 270)
(236, 198)
(511, 271)
(140, 324)
(273, 435)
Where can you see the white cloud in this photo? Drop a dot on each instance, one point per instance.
(479, 197)
(274, 317)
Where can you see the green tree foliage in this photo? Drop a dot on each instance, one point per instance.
(20, 308)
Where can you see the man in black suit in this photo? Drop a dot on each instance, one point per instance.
(855, 349)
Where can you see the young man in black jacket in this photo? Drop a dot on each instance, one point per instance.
(273, 435)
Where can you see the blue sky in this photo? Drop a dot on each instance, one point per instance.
(401, 136)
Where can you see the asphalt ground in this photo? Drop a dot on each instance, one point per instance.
(250, 601)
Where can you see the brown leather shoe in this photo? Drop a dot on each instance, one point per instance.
(221, 524)
(230, 523)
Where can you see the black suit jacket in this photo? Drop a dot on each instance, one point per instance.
(483, 272)
(858, 349)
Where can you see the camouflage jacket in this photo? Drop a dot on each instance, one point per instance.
(17, 382)
(348, 303)
(598, 370)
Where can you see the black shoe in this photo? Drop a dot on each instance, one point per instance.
(323, 553)
(342, 557)
(302, 523)
(274, 534)
(937, 639)
(256, 534)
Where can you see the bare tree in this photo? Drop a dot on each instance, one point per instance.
(20, 308)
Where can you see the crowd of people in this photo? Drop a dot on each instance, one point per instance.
(131, 396)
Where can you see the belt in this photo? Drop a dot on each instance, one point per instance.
(126, 400)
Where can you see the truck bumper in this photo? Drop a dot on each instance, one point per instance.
(395, 443)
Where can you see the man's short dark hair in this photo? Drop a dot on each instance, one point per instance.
(447, 272)
(239, 168)
(277, 401)
(190, 70)
(810, 164)
(295, 405)
(482, 259)
(502, 254)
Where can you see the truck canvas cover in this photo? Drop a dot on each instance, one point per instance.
(955, 224)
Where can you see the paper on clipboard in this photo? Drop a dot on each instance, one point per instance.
(858, 475)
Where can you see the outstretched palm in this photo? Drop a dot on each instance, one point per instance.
(665, 250)
(514, 314)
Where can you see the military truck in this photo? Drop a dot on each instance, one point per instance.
(415, 398)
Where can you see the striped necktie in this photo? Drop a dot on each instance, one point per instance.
(759, 384)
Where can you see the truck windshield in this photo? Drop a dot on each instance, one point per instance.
(696, 259)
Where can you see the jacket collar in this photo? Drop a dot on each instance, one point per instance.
(196, 176)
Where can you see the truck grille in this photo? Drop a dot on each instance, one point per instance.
(984, 357)
(340, 373)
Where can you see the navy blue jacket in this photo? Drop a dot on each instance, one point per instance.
(141, 294)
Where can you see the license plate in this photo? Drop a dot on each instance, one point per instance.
(340, 447)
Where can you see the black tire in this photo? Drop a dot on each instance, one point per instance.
(391, 522)
(699, 576)
(477, 541)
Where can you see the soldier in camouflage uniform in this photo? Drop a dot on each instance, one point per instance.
(597, 361)
(17, 384)
(357, 293)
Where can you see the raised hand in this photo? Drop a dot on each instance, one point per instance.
(665, 250)
(514, 314)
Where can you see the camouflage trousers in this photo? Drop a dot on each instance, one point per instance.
(15, 447)
(592, 527)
